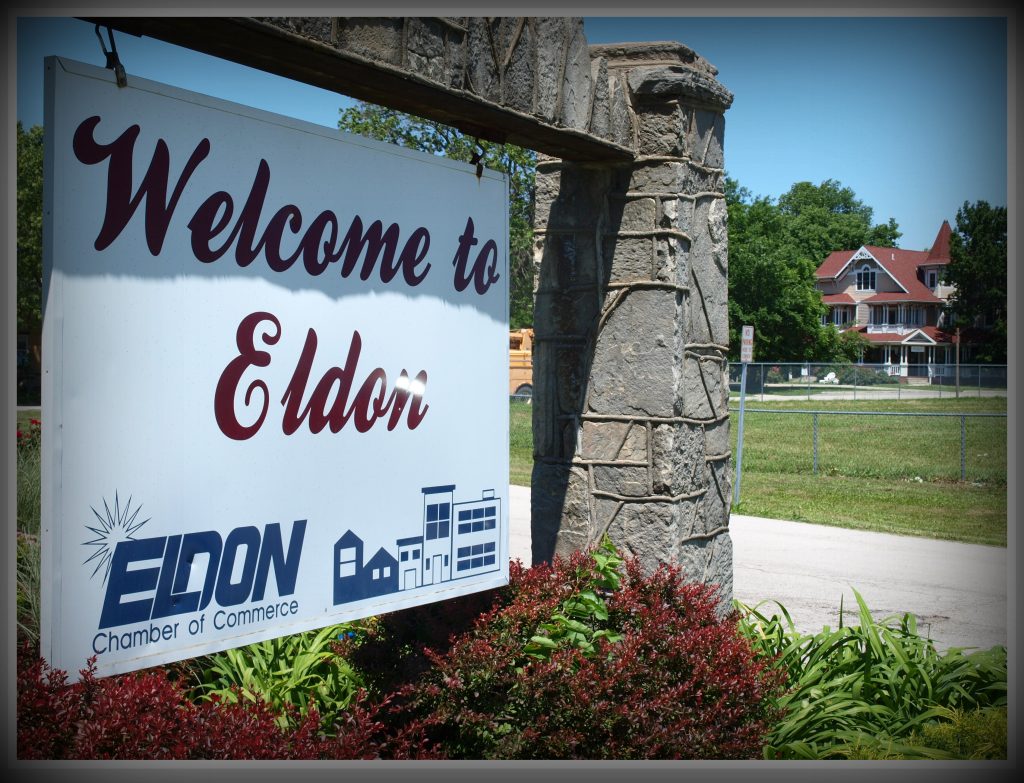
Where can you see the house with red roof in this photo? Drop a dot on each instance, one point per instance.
(897, 300)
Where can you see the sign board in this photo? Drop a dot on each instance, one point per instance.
(275, 375)
(747, 345)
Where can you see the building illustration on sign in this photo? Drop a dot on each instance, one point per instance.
(457, 540)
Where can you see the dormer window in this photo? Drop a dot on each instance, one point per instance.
(933, 279)
(866, 278)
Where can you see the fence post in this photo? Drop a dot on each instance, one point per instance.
(963, 448)
(815, 419)
(739, 439)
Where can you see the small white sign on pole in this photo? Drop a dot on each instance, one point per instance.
(747, 345)
(275, 375)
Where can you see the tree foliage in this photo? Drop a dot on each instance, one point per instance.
(977, 268)
(30, 227)
(406, 130)
(774, 250)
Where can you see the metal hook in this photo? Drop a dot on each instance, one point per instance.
(113, 63)
(478, 158)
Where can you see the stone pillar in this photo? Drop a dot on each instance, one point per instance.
(631, 427)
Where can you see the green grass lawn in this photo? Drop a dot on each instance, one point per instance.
(889, 474)
(883, 473)
(969, 513)
(520, 443)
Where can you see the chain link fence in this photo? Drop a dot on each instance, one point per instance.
(900, 446)
(805, 380)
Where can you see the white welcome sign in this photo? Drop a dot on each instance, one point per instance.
(275, 375)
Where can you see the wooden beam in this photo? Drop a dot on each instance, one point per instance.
(261, 45)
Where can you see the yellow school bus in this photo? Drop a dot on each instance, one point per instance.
(520, 363)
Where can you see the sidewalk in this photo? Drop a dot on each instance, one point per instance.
(957, 591)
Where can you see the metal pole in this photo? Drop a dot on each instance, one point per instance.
(958, 362)
(815, 419)
(963, 448)
(739, 439)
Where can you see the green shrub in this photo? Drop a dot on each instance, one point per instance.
(868, 687)
(301, 671)
(968, 734)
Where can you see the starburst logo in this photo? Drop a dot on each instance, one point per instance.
(116, 526)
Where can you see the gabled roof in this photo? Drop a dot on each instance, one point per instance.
(837, 299)
(901, 265)
(895, 296)
(836, 263)
(932, 334)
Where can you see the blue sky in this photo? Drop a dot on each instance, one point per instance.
(909, 112)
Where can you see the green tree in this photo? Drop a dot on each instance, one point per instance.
(770, 286)
(977, 267)
(30, 228)
(406, 130)
(827, 217)
(774, 251)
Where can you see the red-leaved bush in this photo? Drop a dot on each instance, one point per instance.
(146, 715)
(680, 683)
(462, 679)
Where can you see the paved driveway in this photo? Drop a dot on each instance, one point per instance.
(957, 591)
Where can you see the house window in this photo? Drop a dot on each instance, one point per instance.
(884, 315)
(346, 562)
(933, 279)
(866, 279)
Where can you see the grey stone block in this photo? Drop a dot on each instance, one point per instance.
(661, 130)
(377, 38)
(521, 74)
(702, 382)
(551, 35)
(576, 85)
(600, 115)
(481, 69)
(614, 440)
(425, 48)
(709, 322)
(629, 258)
(716, 437)
(670, 260)
(620, 114)
(687, 84)
(678, 459)
(647, 531)
(633, 361)
(639, 214)
(560, 509)
(676, 213)
(315, 28)
(710, 562)
(629, 480)
(708, 138)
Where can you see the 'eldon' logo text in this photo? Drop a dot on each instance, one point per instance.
(247, 555)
